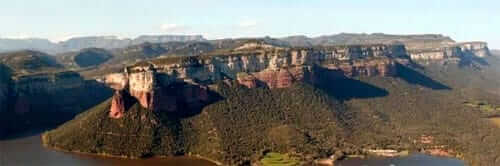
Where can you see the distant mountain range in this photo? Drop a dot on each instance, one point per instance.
(75, 44)
(362, 38)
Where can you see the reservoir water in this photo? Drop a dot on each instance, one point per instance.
(416, 159)
(27, 151)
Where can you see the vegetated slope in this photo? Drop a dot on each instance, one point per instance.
(235, 130)
(480, 83)
(374, 113)
(414, 108)
(85, 58)
(410, 111)
(28, 61)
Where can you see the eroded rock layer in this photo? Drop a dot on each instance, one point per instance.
(64, 92)
(445, 51)
(250, 65)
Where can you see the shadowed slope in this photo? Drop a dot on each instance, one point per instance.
(414, 77)
(234, 130)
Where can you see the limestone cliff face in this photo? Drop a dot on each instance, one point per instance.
(448, 51)
(58, 92)
(479, 49)
(29, 90)
(165, 84)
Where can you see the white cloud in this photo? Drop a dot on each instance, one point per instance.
(174, 28)
(247, 23)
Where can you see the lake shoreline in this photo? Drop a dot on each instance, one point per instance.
(106, 155)
(89, 159)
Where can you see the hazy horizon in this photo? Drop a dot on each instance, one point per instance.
(59, 20)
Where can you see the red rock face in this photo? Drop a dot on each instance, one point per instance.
(120, 103)
(117, 106)
(170, 99)
(248, 80)
(384, 68)
(155, 95)
(282, 78)
(179, 97)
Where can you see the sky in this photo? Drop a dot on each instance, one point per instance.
(57, 20)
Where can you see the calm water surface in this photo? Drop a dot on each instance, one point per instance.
(28, 151)
(412, 160)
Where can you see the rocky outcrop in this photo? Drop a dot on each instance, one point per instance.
(46, 99)
(47, 82)
(281, 78)
(449, 51)
(60, 92)
(479, 49)
(171, 83)
(440, 53)
(374, 67)
(120, 103)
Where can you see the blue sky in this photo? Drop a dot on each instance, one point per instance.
(60, 19)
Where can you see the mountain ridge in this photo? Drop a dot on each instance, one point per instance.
(181, 95)
(112, 42)
(77, 43)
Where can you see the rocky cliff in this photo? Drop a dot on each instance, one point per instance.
(187, 79)
(479, 49)
(59, 93)
(33, 92)
(449, 51)
(45, 98)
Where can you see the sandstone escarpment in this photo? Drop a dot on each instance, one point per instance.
(479, 49)
(120, 103)
(58, 92)
(31, 91)
(449, 51)
(166, 84)
(154, 91)
(46, 99)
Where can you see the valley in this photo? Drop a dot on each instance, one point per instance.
(234, 101)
